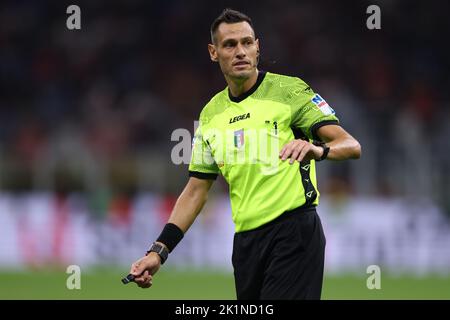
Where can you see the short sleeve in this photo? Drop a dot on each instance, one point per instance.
(202, 163)
(310, 111)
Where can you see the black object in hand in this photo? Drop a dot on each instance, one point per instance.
(129, 278)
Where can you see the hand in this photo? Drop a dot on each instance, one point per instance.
(300, 150)
(145, 268)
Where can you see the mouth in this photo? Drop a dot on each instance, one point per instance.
(240, 63)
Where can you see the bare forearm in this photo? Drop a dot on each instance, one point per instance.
(344, 148)
(186, 209)
(342, 145)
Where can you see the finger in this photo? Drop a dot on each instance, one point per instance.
(135, 271)
(145, 277)
(145, 281)
(146, 274)
(285, 148)
(303, 153)
(134, 266)
(141, 276)
(287, 152)
(141, 282)
(146, 285)
(139, 279)
(282, 150)
(148, 282)
(137, 268)
(295, 153)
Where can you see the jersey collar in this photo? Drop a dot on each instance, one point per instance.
(261, 75)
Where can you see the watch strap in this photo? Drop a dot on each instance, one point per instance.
(326, 149)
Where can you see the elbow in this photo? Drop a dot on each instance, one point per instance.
(356, 150)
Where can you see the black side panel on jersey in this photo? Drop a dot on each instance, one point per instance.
(305, 167)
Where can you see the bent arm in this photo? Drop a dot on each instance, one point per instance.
(342, 145)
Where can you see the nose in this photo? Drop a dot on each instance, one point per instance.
(240, 52)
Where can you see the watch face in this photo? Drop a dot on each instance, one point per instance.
(160, 250)
(157, 248)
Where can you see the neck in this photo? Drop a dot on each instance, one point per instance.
(239, 86)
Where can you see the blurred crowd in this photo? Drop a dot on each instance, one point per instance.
(92, 110)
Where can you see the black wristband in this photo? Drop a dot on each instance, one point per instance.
(326, 149)
(170, 236)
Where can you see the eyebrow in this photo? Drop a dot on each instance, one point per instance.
(237, 40)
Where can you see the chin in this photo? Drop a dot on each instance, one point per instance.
(243, 74)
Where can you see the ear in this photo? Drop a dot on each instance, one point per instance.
(213, 52)
(257, 47)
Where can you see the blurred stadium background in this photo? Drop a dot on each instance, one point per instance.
(86, 118)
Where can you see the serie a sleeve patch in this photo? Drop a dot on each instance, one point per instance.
(322, 105)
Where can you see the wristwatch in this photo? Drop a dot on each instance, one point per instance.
(160, 250)
(326, 149)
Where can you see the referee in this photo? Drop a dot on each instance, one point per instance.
(264, 133)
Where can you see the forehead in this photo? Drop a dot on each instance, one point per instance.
(234, 31)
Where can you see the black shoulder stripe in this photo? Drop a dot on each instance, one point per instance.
(203, 175)
(316, 127)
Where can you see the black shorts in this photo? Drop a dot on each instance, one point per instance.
(283, 259)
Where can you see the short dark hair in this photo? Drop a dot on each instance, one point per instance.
(229, 16)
